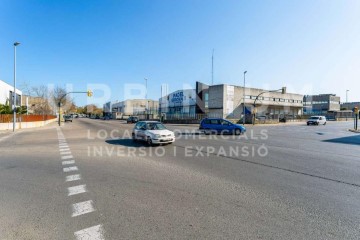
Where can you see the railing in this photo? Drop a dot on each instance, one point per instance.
(6, 118)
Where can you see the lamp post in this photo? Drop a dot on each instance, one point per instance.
(14, 93)
(244, 100)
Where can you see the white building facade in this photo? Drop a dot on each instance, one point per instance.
(6, 92)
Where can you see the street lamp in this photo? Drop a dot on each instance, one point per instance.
(244, 100)
(14, 93)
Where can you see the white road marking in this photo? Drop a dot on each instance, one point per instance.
(64, 149)
(68, 162)
(82, 208)
(63, 153)
(67, 146)
(71, 169)
(67, 157)
(91, 233)
(73, 177)
(76, 190)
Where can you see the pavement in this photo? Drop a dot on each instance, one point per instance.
(88, 180)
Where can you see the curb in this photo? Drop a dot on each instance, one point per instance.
(354, 131)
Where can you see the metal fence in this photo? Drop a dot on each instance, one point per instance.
(6, 118)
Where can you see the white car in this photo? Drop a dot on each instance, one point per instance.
(152, 132)
(316, 120)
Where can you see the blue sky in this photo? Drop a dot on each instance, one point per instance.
(309, 46)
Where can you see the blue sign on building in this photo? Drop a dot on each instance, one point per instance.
(177, 97)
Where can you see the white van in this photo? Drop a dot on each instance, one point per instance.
(316, 120)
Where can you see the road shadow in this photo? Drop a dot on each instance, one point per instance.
(188, 133)
(128, 142)
(353, 140)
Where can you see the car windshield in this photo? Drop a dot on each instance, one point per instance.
(155, 126)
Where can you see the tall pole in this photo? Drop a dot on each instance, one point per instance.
(212, 68)
(244, 100)
(346, 101)
(147, 104)
(14, 92)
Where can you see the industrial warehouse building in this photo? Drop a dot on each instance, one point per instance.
(130, 107)
(321, 104)
(226, 101)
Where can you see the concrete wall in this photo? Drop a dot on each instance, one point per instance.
(21, 125)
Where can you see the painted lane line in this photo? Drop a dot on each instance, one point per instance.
(67, 146)
(67, 157)
(68, 162)
(64, 149)
(71, 169)
(63, 153)
(76, 190)
(74, 177)
(91, 233)
(82, 208)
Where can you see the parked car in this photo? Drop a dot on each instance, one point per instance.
(220, 125)
(152, 132)
(316, 120)
(132, 120)
(68, 118)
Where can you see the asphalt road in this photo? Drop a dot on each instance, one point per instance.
(88, 180)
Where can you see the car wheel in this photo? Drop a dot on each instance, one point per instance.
(149, 141)
(207, 131)
(237, 131)
(324, 123)
(308, 124)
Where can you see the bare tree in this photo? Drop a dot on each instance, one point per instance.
(40, 101)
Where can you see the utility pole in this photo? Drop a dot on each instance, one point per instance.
(347, 102)
(212, 68)
(147, 104)
(244, 100)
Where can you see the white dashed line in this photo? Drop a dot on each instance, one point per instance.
(91, 233)
(68, 162)
(82, 208)
(74, 177)
(70, 169)
(64, 153)
(67, 157)
(76, 190)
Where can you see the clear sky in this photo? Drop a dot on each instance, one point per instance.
(307, 45)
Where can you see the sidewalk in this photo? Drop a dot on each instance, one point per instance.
(4, 134)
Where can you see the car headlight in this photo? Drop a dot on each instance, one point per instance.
(156, 135)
